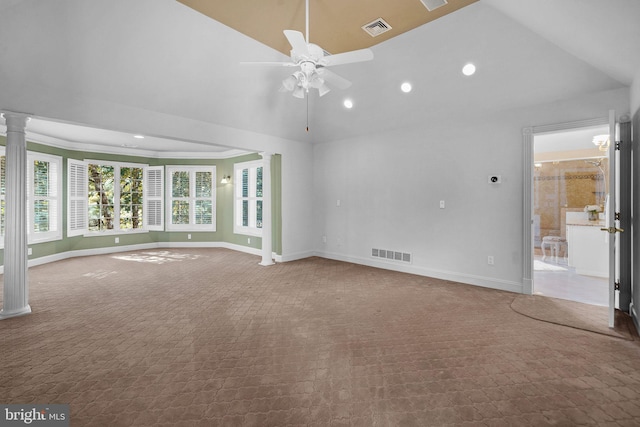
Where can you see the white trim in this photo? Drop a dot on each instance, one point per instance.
(558, 127)
(295, 256)
(127, 151)
(145, 246)
(528, 134)
(191, 199)
(154, 209)
(77, 200)
(485, 282)
(49, 236)
(238, 198)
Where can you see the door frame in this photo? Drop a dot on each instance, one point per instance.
(528, 134)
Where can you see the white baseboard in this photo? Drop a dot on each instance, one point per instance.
(296, 256)
(142, 247)
(486, 282)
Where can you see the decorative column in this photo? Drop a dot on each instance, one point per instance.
(267, 244)
(16, 286)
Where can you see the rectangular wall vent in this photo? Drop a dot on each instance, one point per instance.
(376, 27)
(432, 5)
(391, 255)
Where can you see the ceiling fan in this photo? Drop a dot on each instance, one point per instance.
(313, 62)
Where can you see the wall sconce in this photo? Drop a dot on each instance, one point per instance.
(225, 179)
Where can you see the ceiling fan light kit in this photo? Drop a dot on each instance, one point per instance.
(313, 62)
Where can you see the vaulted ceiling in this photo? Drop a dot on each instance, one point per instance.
(335, 25)
(138, 67)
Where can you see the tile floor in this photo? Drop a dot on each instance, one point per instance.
(558, 280)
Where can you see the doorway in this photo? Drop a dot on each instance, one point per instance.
(569, 203)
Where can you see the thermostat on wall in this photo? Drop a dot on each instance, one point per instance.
(495, 179)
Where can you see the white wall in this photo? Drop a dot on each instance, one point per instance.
(390, 185)
(71, 66)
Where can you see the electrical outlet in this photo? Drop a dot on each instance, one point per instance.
(248, 240)
(117, 240)
(29, 251)
(490, 260)
(188, 236)
(441, 204)
(324, 239)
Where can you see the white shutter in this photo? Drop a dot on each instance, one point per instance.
(29, 198)
(77, 204)
(55, 217)
(153, 198)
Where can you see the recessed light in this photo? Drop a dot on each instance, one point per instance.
(138, 136)
(129, 145)
(468, 69)
(348, 103)
(406, 87)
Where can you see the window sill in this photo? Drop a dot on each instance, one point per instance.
(113, 233)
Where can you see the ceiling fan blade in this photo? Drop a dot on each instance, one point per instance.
(333, 79)
(277, 64)
(297, 42)
(360, 55)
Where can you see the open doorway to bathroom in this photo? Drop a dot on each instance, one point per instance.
(570, 195)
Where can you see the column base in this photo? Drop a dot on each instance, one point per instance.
(266, 263)
(21, 312)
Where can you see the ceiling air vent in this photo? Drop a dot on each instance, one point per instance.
(376, 27)
(432, 5)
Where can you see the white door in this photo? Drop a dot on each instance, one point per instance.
(613, 225)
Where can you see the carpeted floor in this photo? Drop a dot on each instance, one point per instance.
(574, 314)
(208, 337)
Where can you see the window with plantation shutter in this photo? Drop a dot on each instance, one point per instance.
(190, 198)
(44, 190)
(154, 191)
(77, 198)
(109, 197)
(248, 198)
(44, 193)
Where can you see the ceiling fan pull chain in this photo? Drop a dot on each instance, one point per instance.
(307, 112)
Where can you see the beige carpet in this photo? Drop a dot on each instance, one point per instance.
(573, 314)
(207, 337)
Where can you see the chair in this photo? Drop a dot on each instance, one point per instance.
(554, 244)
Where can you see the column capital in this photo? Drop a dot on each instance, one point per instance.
(16, 122)
(265, 155)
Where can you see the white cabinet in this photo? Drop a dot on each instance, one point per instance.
(588, 248)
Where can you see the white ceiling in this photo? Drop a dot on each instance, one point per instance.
(85, 138)
(95, 63)
(569, 140)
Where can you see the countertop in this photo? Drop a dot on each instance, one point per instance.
(587, 223)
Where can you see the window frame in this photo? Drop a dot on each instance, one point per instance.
(78, 198)
(52, 235)
(116, 198)
(238, 198)
(192, 198)
(32, 236)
